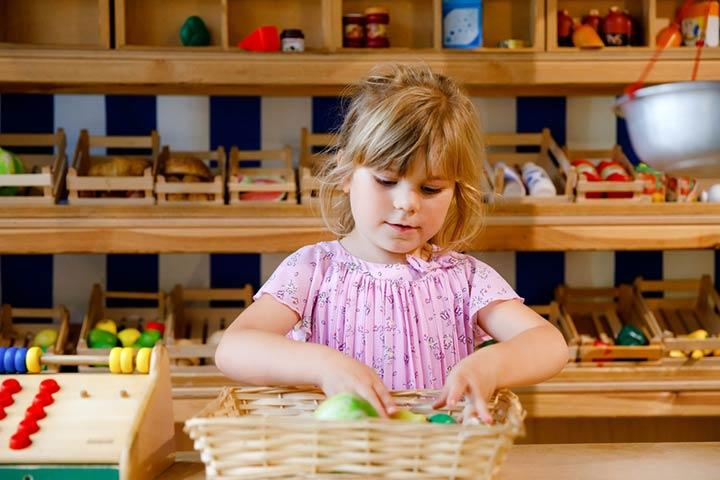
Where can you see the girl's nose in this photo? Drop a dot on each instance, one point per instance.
(405, 198)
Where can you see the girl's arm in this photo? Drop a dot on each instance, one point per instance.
(254, 350)
(530, 350)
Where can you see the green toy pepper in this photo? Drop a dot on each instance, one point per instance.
(194, 33)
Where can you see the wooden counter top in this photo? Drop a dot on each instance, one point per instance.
(602, 461)
(238, 229)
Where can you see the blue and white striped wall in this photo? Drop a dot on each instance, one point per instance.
(201, 122)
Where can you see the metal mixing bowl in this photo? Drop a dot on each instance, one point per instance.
(675, 127)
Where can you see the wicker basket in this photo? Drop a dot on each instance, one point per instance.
(262, 432)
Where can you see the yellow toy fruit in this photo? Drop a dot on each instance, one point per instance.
(698, 334)
(128, 336)
(408, 416)
(108, 325)
(677, 354)
(45, 338)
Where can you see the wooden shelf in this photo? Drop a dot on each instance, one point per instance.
(216, 72)
(285, 228)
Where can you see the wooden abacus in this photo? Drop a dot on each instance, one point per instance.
(97, 425)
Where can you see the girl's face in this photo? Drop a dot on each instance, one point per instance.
(396, 215)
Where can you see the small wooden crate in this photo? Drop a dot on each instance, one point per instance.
(46, 171)
(684, 307)
(599, 313)
(20, 325)
(634, 189)
(80, 186)
(193, 323)
(310, 162)
(551, 313)
(213, 192)
(124, 317)
(253, 432)
(238, 169)
(502, 147)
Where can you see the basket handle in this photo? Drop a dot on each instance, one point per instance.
(631, 89)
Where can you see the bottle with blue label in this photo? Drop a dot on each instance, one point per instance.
(462, 23)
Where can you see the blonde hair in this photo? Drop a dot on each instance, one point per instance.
(396, 113)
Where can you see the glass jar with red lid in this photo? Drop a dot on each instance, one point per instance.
(376, 22)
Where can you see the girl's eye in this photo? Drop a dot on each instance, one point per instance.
(431, 190)
(384, 182)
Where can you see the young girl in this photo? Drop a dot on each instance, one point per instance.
(391, 304)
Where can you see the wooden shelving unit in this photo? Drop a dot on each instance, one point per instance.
(285, 228)
(147, 56)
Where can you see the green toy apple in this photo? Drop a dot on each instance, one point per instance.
(345, 406)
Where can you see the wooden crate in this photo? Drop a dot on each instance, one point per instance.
(82, 188)
(194, 320)
(66, 23)
(124, 317)
(642, 12)
(551, 312)
(634, 188)
(238, 168)
(20, 325)
(213, 192)
(156, 23)
(46, 171)
(682, 307)
(502, 147)
(599, 313)
(310, 162)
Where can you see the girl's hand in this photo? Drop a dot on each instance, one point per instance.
(344, 374)
(476, 380)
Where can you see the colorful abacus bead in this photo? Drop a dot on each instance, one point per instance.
(114, 360)
(142, 360)
(20, 355)
(2, 360)
(9, 360)
(126, 359)
(32, 360)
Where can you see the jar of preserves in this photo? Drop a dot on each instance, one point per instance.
(376, 22)
(617, 28)
(593, 19)
(293, 40)
(353, 30)
(565, 26)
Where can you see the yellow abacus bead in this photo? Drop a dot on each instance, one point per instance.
(126, 359)
(114, 360)
(32, 360)
(143, 360)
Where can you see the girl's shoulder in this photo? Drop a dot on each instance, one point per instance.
(312, 256)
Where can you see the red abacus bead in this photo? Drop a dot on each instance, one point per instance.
(28, 426)
(2, 413)
(11, 386)
(36, 412)
(49, 386)
(6, 399)
(19, 441)
(43, 399)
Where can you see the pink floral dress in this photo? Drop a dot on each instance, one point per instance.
(411, 322)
